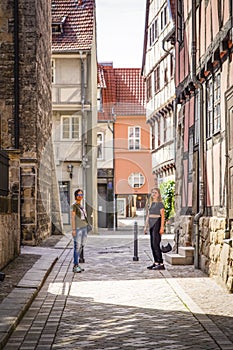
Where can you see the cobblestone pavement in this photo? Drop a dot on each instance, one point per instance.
(116, 303)
(16, 269)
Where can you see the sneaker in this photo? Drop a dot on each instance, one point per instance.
(151, 267)
(158, 267)
(77, 269)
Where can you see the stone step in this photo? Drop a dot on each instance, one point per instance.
(186, 251)
(177, 259)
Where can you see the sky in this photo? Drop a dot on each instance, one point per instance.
(120, 32)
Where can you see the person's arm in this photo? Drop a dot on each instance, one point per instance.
(162, 213)
(146, 224)
(73, 214)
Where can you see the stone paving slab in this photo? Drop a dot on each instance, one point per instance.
(14, 306)
(117, 303)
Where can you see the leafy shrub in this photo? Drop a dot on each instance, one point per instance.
(168, 196)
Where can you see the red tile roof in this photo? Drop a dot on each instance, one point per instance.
(123, 92)
(77, 18)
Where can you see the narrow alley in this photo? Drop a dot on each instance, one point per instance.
(116, 303)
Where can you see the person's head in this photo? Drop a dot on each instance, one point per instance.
(78, 195)
(155, 195)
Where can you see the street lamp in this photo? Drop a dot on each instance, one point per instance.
(70, 170)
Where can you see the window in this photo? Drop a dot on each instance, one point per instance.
(134, 137)
(190, 152)
(171, 65)
(155, 29)
(217, 95)
(100, 145)
(165, 76)
(156, 79)
(53, 70)
(70, 128)
(213, 105)
(152, 137)
(57, 28)
(136, 180)
(148, 88)
(163, 17)
(157, 133)
(209, 128)
(197, 117)
(180, 21)
(153, 32)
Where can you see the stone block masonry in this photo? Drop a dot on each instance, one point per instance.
(26, 121)
(216, 254)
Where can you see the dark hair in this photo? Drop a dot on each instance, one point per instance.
(77, 192)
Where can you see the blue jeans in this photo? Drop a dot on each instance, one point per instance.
(79, 242)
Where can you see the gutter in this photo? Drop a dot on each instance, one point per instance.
(83, 122)
(16, 74)
(227, 226)
(201, 143)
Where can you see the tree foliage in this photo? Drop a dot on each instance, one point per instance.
(168, 196)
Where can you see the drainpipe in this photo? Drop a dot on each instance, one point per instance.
(83, 123)
(227, 227)
(16, 75)
(201, 143)
(114, 199)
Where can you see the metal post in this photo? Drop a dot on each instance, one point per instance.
(135, 258)
(177, 240)
(81, 256)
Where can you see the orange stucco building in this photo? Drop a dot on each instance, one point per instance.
(123, 99)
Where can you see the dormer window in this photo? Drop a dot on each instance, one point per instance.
(57, 27)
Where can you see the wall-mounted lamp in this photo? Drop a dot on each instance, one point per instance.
(70, 170)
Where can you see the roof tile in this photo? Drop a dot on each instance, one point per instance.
(77, 19)
(123, 91)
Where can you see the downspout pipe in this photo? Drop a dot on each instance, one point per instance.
(227, 226)
(201, 144)
(16, 74)
(83, 122)
(114, 197)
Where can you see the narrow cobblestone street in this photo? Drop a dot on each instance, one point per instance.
(116, 303)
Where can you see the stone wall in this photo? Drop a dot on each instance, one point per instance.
(216, 254)
(9, 214)
(36, 119)
(26, 98)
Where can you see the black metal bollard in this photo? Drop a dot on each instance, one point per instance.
(81, 256)
(135, 258)
(2, 276)
(177, 240)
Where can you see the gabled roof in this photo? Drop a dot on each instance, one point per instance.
(76, 19)
(123, 92)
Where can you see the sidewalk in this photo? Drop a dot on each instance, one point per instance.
(116, 279)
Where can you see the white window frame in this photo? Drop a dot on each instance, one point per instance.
(100, 144)
(133, 139)
(70, 137)
(217, 103)
(136, 180)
